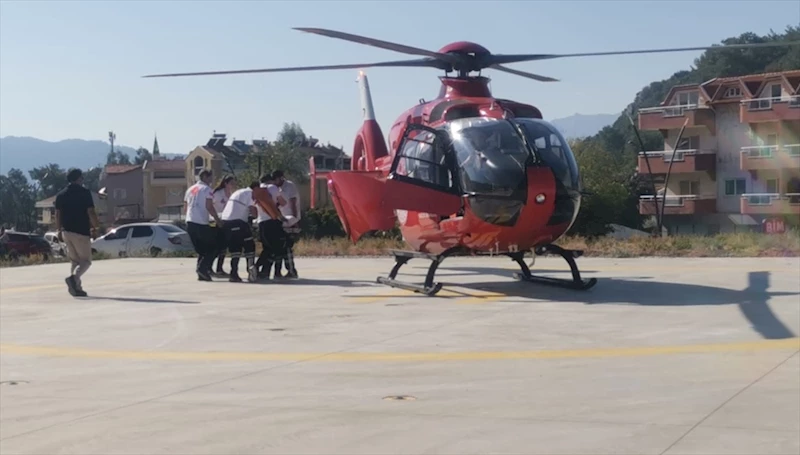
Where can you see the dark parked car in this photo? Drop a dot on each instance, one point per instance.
(16, 244)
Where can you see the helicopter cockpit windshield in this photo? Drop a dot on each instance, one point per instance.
(491, 156)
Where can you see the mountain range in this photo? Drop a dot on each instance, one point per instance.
(580, 126)
(26, 153)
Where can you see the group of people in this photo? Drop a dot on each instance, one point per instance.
(219, 221)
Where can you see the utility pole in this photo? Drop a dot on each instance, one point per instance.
(111, 138)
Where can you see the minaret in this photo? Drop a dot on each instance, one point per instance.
(156, 154)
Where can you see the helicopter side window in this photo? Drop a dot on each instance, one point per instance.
(552, 149)
(423, 158)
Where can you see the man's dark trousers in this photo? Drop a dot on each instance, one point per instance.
(273, 241)
(205, 244)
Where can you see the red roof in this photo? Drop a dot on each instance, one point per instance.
(121, 168)
(166, 165)
(749, 77)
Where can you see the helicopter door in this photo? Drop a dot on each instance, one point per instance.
(357, 197)
(422, 177)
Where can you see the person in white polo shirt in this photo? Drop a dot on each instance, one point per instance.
(240, 206)
(291, 227)
(198, 204)
(221, 194)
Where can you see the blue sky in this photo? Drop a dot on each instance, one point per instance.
(72, 69)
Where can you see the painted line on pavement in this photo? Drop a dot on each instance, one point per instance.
(752, 346)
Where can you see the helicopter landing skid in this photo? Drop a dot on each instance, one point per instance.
(569, 255)
(401, 257)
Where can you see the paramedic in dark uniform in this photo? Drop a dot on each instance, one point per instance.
(235, 218)
(270, 229)
(291, 210)
(221, 194)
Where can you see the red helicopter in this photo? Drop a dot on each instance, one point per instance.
(465, 173)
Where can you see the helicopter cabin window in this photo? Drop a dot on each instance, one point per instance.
(552, 149)
(423, 158)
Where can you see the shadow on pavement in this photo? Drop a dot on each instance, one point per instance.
(753, 301)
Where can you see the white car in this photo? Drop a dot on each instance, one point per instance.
(143, 239)
(59, 248)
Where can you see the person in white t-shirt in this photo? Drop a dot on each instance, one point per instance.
(273, 239)
(292, 227)
(238, 209)
(222, 192)
(198, 204)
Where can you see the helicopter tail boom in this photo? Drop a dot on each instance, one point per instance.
(369, 144)
(367, 109)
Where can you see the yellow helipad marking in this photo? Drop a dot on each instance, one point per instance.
(790, 343)
(459, 297)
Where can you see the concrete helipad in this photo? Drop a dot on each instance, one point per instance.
(662, 356)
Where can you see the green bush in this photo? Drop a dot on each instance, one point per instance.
(325, 223)
(320, 223)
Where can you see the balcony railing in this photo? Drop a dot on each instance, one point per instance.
(676, 155)
(760, 151)
(759, 157)
(764, 104)
(683, 204)
(770, 203)
(670, 111)
(670, 201)
(674, 116)
(763, 110)
(792, 149)
(689, 160)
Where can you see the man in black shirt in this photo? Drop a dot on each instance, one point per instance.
(76, 222)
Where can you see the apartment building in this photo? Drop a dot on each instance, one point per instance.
(738, 163)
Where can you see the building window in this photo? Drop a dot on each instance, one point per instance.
(735, 187)
(690, 143)
(688, 98)
(733, 92)
(772, 139)
(772, 186)
(689, 187)
(120, 193)
(776, 91)
(199, 165)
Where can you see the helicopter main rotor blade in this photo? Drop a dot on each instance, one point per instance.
(399, 63)
(535, 77)
(380, 43)
(507, 58)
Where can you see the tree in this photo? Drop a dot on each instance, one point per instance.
(17, 201)
(608, 177)
(118, 157)
(91, 178)
(142, 155)
(50, 180)
(292, 134)
(275, 156)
